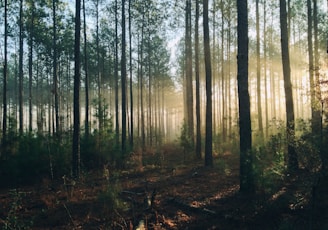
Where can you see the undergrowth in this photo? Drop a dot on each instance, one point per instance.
(12, 220)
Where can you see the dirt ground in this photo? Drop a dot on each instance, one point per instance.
(174, 195)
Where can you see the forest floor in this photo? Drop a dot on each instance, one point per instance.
(185, 195)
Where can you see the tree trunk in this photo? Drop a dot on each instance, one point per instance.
(143, 135)
(292, 156)
(223, 99)
(30, 67)
(272, 80)
(198, 132)
(189, 89)
(314, 69)
(123, 80)
(77, 75)
(258, 71)
(265, 71)
(229, 129)
(317, 114)
(5, 69)
(20, 69)
(117, 128)
(208, 72)
(245, 133)
(311, 68)
(150, 122)
(86, 69)
(131, 86)
(55, 71)
(98, 73)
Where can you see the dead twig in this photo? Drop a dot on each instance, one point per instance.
(120, 216)
(69, 214)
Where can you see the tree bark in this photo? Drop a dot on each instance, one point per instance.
(5, 73)
(131, 86)
(208, 72)
(318, 114)
(223, 98)
(86, 69)
(30, 67)
(265, 71)
(314, 72)
(20, 69)
(258, 71)
(55, 73)
(189, 89)
(143, 135)
(292, 163)
(77, 75)
(245, 132)
(123, 80)
(117, 128)
(98, 72)
(198, 125)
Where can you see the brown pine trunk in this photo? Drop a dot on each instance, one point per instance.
(265, 72)
(316, 115)
(30, 68)
(258, 71)
(198, 134)
(55, 70)
(86, 69)
(245, 135)
(77, 75)
(117, 128)
(5, 69)
(189, 89)
(20, 67)
(123, 80)
(141, 84)
(223, 98)
(292, 163)
(208, 72)
(131, 86)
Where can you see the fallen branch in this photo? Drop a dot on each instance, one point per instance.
(133, 193)
(69, 214)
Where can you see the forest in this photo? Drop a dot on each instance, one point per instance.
(164, 114)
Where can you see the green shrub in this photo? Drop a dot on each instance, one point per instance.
(13, 221)
(269, 163)
(99, 147)
(185, 140)
(32, 158)
(110, 198)
(307, 146)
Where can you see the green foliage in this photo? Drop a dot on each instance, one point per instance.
(12, 220)
(223, 166)
(30, 157)
(231, 144)
(101, 108)
(270, 158)
(185, 141)
(269, 163)
(110, 197)
(307, 146)
(100, 146)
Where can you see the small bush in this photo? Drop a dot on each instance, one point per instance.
(307, 146)
(32, 158)
(13, 221)
(185, 140)
(269, 163)
(110, 198)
